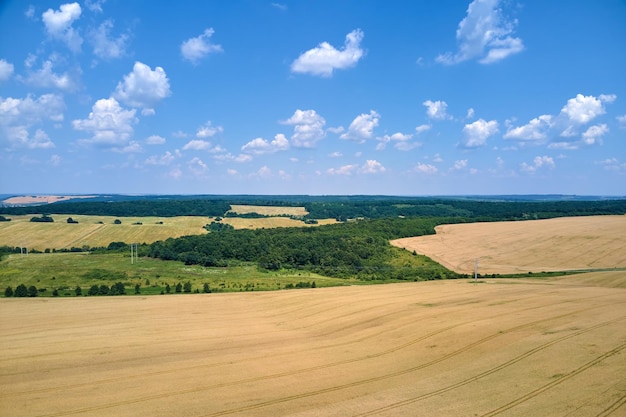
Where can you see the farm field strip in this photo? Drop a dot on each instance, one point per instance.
(281, 353)
(269, 210)
(568, 243)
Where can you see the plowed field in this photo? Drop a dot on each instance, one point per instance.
(441, 348)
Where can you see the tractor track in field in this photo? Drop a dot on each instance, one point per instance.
(263, 404)
(613, 407)
(487, 372)
(558, 381)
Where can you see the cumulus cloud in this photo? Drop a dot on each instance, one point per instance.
(261, 146)
(194, 49)
(104, 45)
(208, 130)
(582, 109)
(197, 145)
(155, 140)
(143, 87)
(131, 147)
(436, 109)
(110, 124)
(6, 70)
(166, 159)
(324, 59)
(425, 168)
(18, 116)
(197, 166)
(47, 78)
(400, 140)
(372, 166)
(613, 164)
(484, 34)
(594, 134)
(538, 162)
(308, 128)
(535, 130)
(476, 133)
(343, 170)
(460, 164)
(362, 127)
(59, 25)
(422, 128)
(621, 120)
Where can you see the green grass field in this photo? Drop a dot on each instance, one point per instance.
(65, 271)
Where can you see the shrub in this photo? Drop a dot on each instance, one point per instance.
(78, 291)
(32, 291)
(8, 292)
(21, 291)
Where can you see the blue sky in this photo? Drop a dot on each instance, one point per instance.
(313, 97)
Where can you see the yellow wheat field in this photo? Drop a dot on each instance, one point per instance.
(89, 231)
(441, 348)
(567, 243)
(269, 210)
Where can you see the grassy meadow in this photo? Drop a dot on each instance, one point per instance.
(65, 271)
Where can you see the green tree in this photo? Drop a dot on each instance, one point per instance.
(78, 291)
(117, 221)
(137, 289)
(32, 291)
(55, 293)
(205, 288)
(103, 289)
(179, 287)
(21, 291)
(94, 290)
(168, 289)
(187, 287)
(8, 292)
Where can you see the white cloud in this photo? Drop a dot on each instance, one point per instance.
(46, 78)
(132, 147)
(372, 166)
(95, 5)
(538, 162)
(484, 34)
(324, 59)
(17, 116)
(470, 113)
(26, 111)
(55, 160)
(155, 140)
(308, 128)
(143, 87)
(105, 46)
(476, 133)
(197, 166)
(335, 155)
(208, 130)
(613, 164)
(197, 145)
(582, 109)
(279, 6)
(594, 134)
(536, 129)
(264, 172)
(6, 70)
(343, 170)
(231, 171)
(110, 124)
(426, 168)
(21, 138)
(400, 140)
(194, 49)
(460, 164)
(30, 12)
(422, 128)
(261, 146)
(436, 109)
(362, 127)
(59, 24)
(166, 159)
